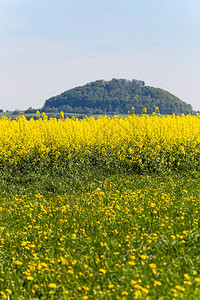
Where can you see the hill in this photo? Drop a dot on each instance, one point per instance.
(116, 96)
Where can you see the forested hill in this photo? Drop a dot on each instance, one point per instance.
(116, 96)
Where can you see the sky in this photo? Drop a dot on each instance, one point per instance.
(48, 47)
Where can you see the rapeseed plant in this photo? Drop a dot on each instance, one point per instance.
(121, 236)
(152, 143)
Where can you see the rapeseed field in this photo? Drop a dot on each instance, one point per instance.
(100, 209)
(135, 143)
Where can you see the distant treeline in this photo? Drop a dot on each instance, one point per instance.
(116, 96)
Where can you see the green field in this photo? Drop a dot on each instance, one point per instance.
(95, 235)
(15, 114)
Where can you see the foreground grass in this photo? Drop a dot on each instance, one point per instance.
(100, 237)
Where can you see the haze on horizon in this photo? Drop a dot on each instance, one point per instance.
(48, 47)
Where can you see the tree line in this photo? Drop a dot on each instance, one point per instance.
(116, 96)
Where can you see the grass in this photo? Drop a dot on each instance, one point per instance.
(95, 235)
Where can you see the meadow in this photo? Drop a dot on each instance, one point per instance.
(100, 209)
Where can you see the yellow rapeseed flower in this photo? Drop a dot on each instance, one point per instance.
(52, 285)
(17, 262)
(30, 277)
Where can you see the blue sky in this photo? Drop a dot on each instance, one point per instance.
(47, 47)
